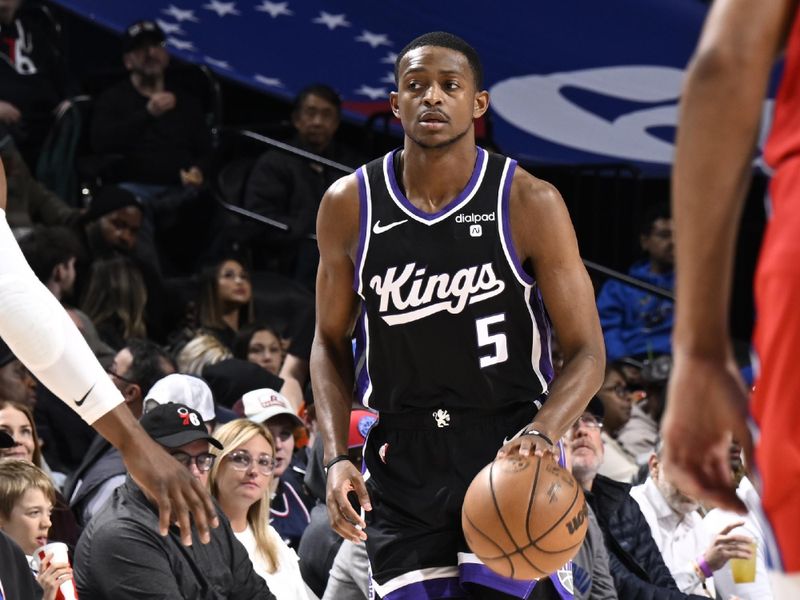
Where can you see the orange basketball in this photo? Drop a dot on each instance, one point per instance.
(524, 517)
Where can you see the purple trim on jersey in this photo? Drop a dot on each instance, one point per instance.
(388, 165)
(482, 575)
(562, 591)
(505, 226)
(543, 325)
(442, 587)
(360, 349)
(362, 226)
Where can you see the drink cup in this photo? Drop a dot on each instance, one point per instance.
(66, 591)
(744, 569)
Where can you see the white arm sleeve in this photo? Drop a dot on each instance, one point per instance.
(44, 338)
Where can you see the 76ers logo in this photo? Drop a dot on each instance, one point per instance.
(188, 418)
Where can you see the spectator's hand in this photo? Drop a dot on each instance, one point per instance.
(706, 409)
(727, 546)
(52, 575)
(192, 177)
(161, 102)
(9, 113)
(343, 479)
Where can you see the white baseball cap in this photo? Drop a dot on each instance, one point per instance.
(183, 389)
(262, 405)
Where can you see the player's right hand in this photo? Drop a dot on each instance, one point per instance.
(706, 410)
(344, 479)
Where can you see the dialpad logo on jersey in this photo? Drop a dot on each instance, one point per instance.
(412, 294)
(475, 217)
(476, 230)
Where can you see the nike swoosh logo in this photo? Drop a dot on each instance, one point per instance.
(86, 395)
(378, 228)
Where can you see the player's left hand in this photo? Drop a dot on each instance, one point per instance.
(526, 444)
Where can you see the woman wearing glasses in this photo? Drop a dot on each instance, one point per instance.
(240, 480)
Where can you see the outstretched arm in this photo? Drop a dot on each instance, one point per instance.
(719, 118)
(332, 355)
(44, 338)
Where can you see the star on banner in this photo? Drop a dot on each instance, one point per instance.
(331, 21)
(181, 44)
(220, 64)
(390, 58)
(374, 39)
(388, 78)
(180, 14)
(372, 92)
(222, 8)
(275, 9)
(170, 28)
(270, 81)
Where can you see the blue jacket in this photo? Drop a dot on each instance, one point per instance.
(635, 322)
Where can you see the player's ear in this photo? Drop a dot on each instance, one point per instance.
(394, 104)
(481, 104)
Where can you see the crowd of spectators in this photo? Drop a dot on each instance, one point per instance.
(219, 376)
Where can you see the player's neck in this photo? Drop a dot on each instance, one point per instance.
(432, 177)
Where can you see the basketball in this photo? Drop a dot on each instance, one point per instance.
(524, 516)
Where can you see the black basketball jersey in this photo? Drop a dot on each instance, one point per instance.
(449, 317)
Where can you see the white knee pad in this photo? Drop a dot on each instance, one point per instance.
(44, 338)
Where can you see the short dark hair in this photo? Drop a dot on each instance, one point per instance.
(47, 247)
(443, 39)
(321, 90)
(150, 363)
(653, 214)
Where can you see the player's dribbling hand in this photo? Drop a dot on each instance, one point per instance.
(344, 479)
(706, 409)
(526, 444)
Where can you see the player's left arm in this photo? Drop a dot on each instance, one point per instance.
(545, 242)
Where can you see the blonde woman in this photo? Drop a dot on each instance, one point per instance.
(240, 481)
(202, 350)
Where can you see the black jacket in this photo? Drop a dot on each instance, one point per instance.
(122, 556)
(636, 564)
(15, 574)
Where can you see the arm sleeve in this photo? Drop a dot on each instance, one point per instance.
(43, 337)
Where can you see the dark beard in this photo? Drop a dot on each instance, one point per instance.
(440, 145)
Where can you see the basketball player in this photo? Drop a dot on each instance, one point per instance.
(720, 112)
(441, 259)
(45, 340)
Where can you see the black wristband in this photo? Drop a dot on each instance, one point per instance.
(335, 460)
(539, 434)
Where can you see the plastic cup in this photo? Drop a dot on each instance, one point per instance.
(744, 569)
(60, 552)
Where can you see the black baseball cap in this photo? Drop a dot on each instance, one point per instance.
(596, 408)
(6, 441)
(6, 355)
(142, 33)
(173, 425)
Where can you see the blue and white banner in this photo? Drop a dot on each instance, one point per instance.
(571, 81)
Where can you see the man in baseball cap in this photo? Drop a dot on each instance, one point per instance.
(142, 34)
(121, 554)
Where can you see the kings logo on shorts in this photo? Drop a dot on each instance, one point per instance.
(413, 294)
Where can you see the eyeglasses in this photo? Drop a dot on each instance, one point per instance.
(203, 461)
(111, 372)
(241, 461)
(619, 389)
(587, 421)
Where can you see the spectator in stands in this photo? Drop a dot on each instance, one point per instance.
(289, 189)
(637, 323)
(636, 564)
(121, 554)
(52, 252)
(677, 528)
(618, 464)
(157, 127)
(135, 370)
(114, 220)
(232, 378)
(16, 382)
(291, 503)
(639, 435)
(188, 390)
(30, 202)
(240, 480)
(115, 300)
(226, 299)
(202, 350)
(33, 78)
(260, 344)
(17, 421)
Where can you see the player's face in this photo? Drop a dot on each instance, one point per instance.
(120, 228)
(436, 100)
(265, 351)
(316, 121)
(282, 430)
(15, 423)
(29, 520)
(233, 284)
(245, 474)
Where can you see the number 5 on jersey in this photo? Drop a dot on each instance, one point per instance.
(496, 341)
